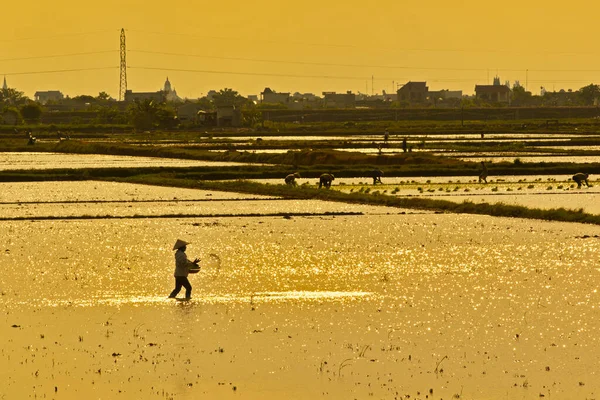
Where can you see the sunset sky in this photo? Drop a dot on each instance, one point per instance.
(307, 46)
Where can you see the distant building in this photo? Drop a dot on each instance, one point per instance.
(50, 95)
(228, 116)
(171, 93)
(271, 97)
(493, 93)
(414, 92)
(445, 94)
(166, 94)
(4, 86)
(339, 100)
(159, 96)
(305, 96)
(188, 112)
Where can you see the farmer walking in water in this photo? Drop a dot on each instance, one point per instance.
(182, 269)
(581, 178)
(483, 174)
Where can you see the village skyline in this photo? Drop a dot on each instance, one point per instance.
(309, 47)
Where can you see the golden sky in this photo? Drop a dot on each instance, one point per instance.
(305, 46)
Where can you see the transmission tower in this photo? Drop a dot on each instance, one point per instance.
(123, 80)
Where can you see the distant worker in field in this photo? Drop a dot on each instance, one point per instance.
(291, 179)
(581, 178)
(32, 139)
(484, 173)
(404, 145)
(386, 136)
(325, 180)
(183, 266)
(377, 174)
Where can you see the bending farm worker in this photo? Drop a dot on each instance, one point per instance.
(182, 269)
(581, 178)
(325, 180)
(377, 174)
(291, 179)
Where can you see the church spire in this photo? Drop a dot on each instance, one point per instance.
(4, 86)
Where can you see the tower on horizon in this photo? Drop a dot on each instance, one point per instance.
(4, 86)
(123, 75)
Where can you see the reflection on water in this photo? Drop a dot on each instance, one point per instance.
(260, 297)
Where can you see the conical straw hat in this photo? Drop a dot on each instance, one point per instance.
(179, 244)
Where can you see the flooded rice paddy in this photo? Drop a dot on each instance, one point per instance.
(378, 305)
(33, 161)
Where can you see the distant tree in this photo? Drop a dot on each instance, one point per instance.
(11, 115)
(31, 112)
(103, 96)
(271, 106)
(589, 94)
(109, 115)
(206, 104)
(251, 116)
(12, 97)
(147, 114)
(520, 96)
(228, 97)
(84, 98)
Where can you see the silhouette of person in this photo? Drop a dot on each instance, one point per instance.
(325, 180)
(580, 178)
(291, 179)
(377, 174)
(484, 173)
(182, 269)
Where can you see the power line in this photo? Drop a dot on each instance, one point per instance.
(362, 78)
(251, 73)
(58, 36)
(88, 53)
(351, 46)
(303, 62)
(353, 65)
(56, 71)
